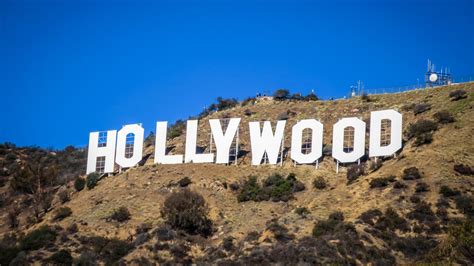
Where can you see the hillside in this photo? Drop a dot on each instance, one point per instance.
(398, 218)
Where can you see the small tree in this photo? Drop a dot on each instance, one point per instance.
(187, 210)
(281, 94)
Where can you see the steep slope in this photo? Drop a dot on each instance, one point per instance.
(142, 190)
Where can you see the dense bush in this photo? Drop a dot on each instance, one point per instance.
(120, 215)
(411, 173)
(187, 210)
(457, 95)
(421, 187)
(62, 213)
(281, 94)
(319, 183)
(448, 192)
(391, 221)
(334, 222)
(465, 204)
(354, 172)
(110, 250)
(38, 238)
(382, 181)
(458, 245)
(421, 108)
(275, 188)
(79, 183)
(92, 180)
(184, 182)
(399, 185)
(443, 117)
(61, 257)
(464, 169)
(421, 127)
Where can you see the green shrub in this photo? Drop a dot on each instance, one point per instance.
(319, 183)
(79, 183)
(274, 187)
(92, 180)
(62, 213)
(251, 190)
(120, 215)
(448, 192)
(61, 257)
(38, 238)
(444, 117)
(188, 211)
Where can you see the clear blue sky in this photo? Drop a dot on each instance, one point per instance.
(71, 67)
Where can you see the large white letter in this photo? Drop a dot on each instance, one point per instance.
(265, 141)
(105, 149)
(316, 141)
(127, 137)
(222, 141)
(160, 146)
(338, 140)
(375, 149)
(191, 139)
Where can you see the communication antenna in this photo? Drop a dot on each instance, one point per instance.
(435, 78)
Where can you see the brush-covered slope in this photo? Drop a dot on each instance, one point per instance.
(386, 215)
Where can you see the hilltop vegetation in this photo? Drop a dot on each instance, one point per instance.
(415, 207)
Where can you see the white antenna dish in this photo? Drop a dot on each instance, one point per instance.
(433, 77)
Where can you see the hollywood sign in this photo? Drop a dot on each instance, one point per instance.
(125, 147)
